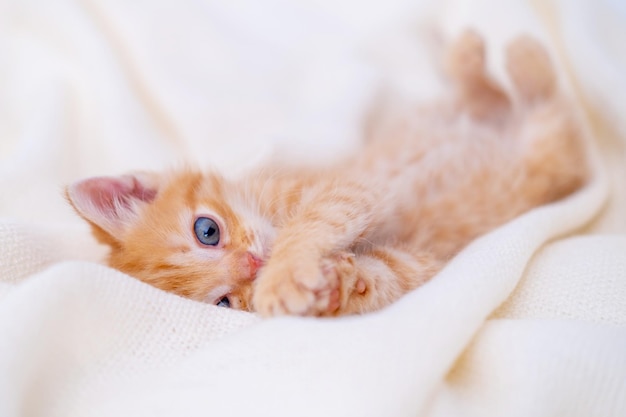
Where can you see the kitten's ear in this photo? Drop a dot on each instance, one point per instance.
(113, 203)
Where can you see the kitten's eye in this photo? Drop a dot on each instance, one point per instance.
(223, 302)
(207, 231)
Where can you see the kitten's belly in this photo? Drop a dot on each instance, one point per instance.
(444, 196)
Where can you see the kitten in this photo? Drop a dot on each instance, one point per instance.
(354, 236)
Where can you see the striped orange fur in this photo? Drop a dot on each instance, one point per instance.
(356, 235)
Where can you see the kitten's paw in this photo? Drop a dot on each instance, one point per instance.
(477, 93)
(530, 69)
(303, 288)
(465, 58)
(340, 268)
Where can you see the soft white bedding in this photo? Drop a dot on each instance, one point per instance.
(528, 321)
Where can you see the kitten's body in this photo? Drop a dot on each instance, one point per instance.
(356, 235)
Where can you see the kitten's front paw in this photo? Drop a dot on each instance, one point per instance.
(304, 288)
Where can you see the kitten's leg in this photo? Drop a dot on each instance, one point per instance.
(331, 217)
(550, 138)
(531, 70)
(372, 280)
(477, 93)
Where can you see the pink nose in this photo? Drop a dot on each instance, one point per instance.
(255, 263)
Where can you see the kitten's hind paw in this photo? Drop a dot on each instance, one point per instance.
(530, 69)
(465, 58)
(477, 93)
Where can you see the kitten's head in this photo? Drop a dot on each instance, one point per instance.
(190, 233)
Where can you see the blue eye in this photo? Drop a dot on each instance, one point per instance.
(223, 302)
(207, 231)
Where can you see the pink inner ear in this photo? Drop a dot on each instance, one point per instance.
(109, 193)
(108, 201)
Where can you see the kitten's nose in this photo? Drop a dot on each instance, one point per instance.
(255, 263)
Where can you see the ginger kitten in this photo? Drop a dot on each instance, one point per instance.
(355, 236)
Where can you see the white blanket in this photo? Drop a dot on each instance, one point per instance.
(530, 320)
